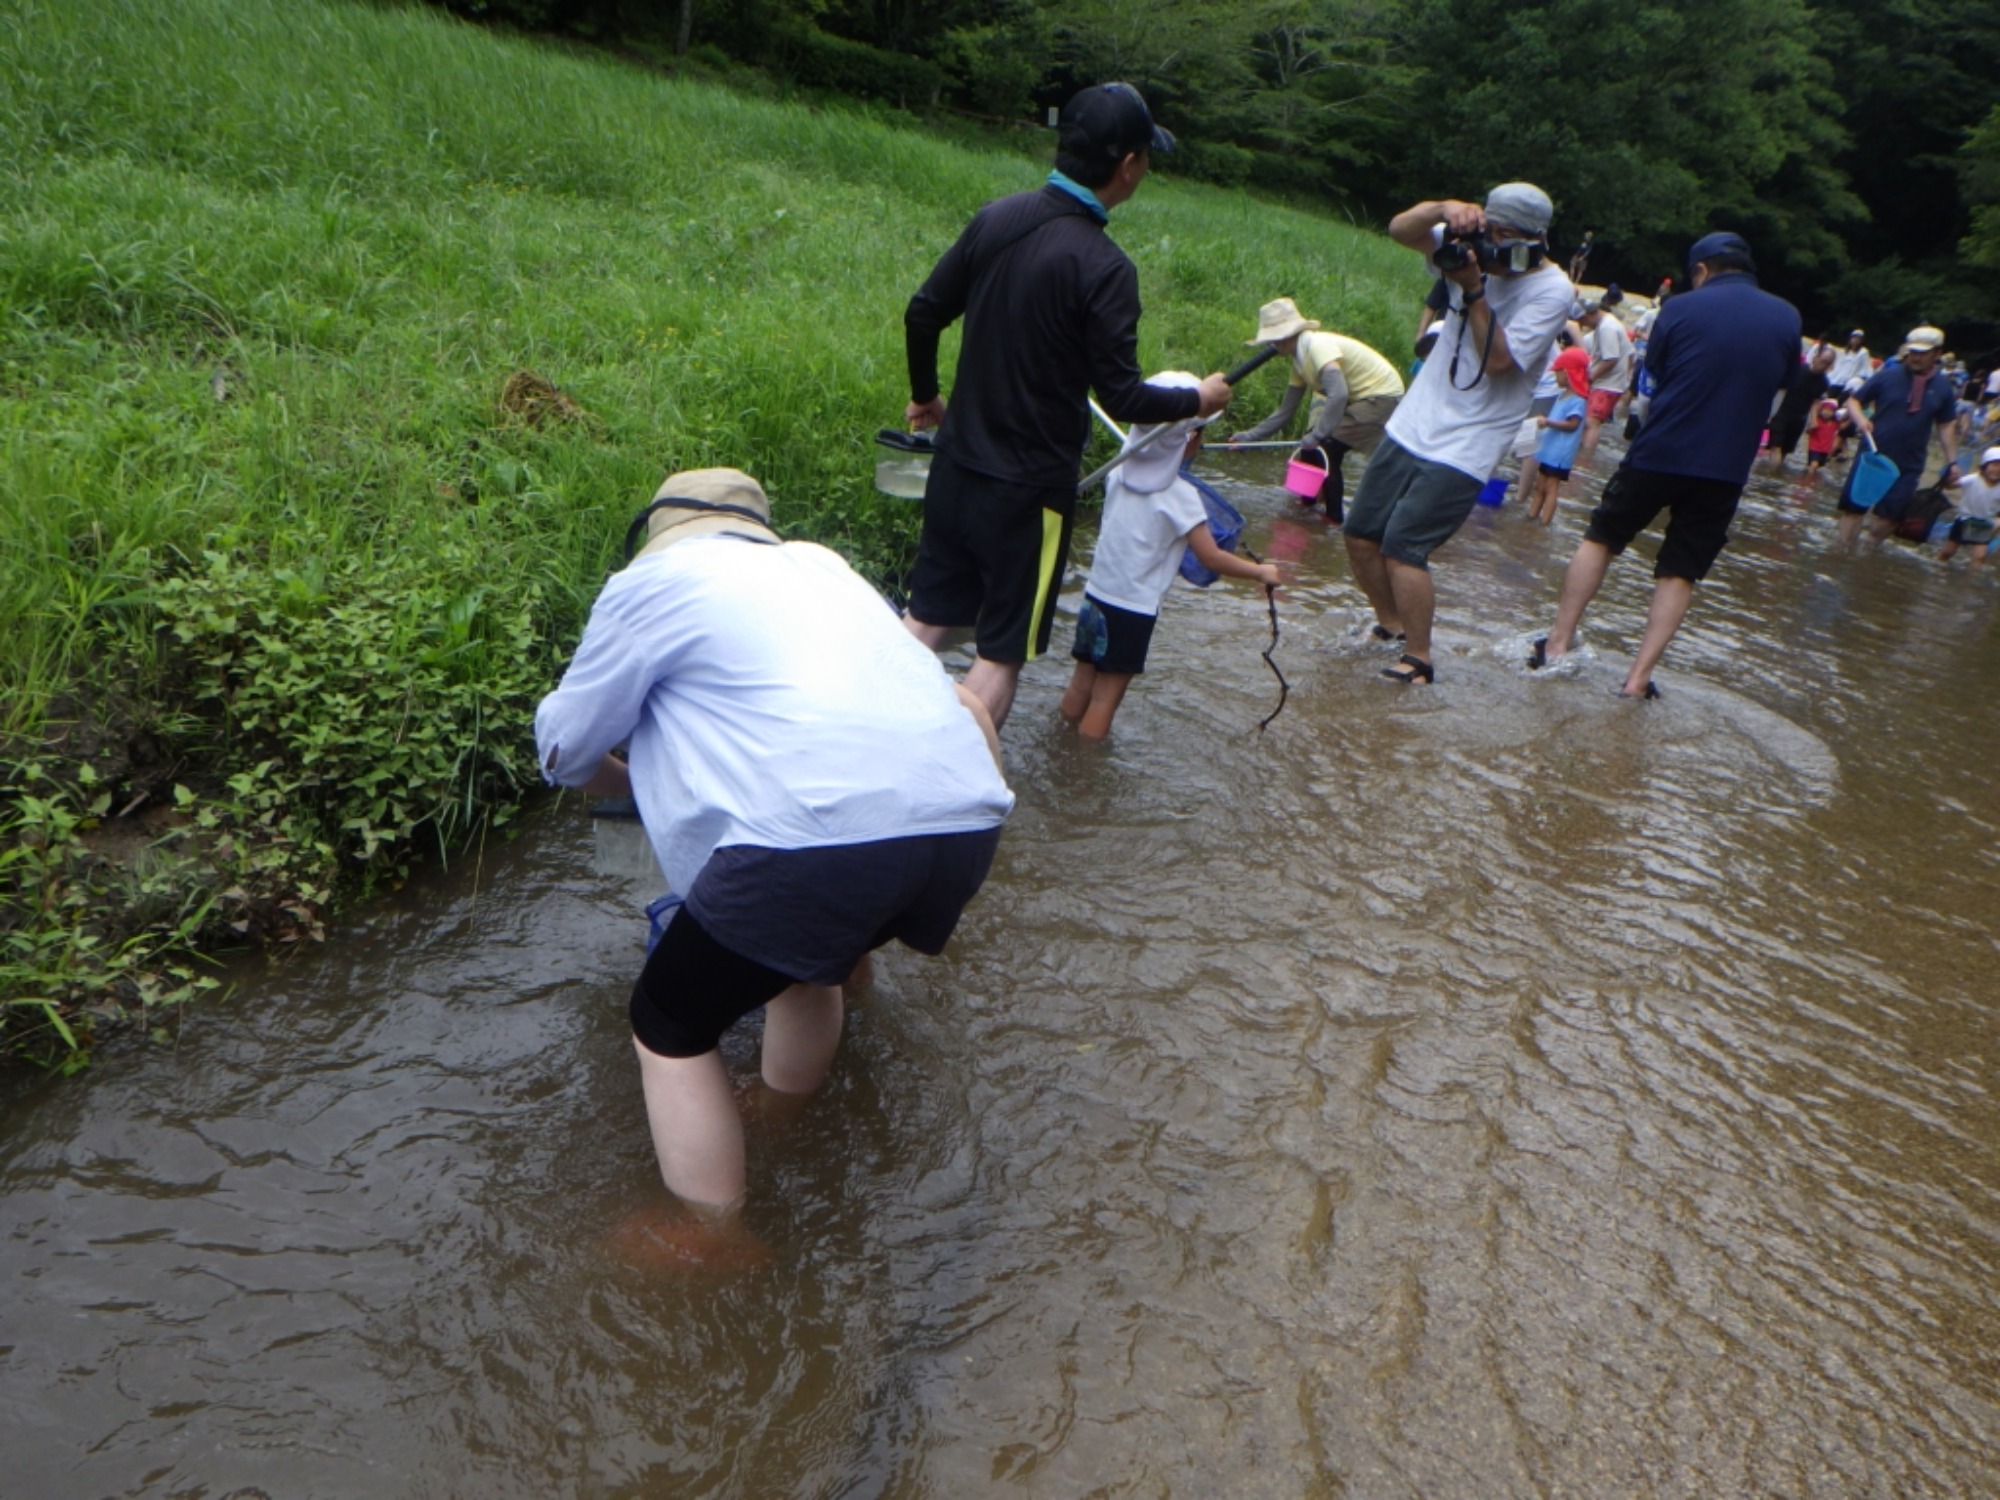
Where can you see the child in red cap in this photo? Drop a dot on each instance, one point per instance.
(1556, 454)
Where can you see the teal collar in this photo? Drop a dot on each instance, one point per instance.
(1082, 195)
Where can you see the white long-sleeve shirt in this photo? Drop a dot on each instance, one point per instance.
(1850, 368)
(771, 698)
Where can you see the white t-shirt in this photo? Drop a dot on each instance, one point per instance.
(1140, 542)
(1550, 385)
(1851, 367)
(1469, 429)
(1976, 498)
(1609, 340)
(772, 698)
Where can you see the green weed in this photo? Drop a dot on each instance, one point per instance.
(273, 557)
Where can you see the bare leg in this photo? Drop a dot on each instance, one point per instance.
(932, 636)
(1581, 581)
(1588, 447)
(1416, 603)
(1076, 697)
(1106, 693)
(1364, 559)
(993, 684)
(1979, 551)
(985, 722)
(1531, 478)
(1848, 526)
(1671, 598)
(697, 1133)
(1878, 528)
(801, 1033)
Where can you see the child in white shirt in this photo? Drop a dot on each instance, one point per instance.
(1152, 515)
(1977, 497)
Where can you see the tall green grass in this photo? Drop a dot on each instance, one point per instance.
(265, 266)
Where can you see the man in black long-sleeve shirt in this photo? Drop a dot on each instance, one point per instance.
(1051, 309)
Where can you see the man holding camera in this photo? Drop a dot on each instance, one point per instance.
(1507, 302)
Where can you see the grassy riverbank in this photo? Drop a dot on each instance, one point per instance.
(283, 564)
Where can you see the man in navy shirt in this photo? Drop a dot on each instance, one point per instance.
(1911, 400)
(1717, 356)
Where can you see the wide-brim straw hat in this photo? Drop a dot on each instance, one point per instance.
(1280, 320)
(707, 502)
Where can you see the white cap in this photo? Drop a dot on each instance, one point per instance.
(1153, 468)
(1990, 456)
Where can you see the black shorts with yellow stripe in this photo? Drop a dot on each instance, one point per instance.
(992, 556)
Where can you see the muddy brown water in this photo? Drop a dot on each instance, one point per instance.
(1501, 1090)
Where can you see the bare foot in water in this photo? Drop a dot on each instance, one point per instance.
(665, 1239)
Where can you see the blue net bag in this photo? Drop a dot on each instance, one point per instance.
(1225, 523)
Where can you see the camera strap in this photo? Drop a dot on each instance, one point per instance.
(1492, 327)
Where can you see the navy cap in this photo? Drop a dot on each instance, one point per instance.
(1111, 119)
(1724, 242)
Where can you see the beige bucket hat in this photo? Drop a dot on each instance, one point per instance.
(707, 502)
(1280, 320)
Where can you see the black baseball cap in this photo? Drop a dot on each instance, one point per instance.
(1111, 119)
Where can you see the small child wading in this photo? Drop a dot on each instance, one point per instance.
(1561, 426)
(1977, 497)
(1151, 517)
(1823, 438)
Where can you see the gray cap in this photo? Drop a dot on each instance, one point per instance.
(1520, 205)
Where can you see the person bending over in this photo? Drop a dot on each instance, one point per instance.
(812, 784)
(1355, 392)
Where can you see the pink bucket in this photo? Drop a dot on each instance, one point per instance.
(1305, 479)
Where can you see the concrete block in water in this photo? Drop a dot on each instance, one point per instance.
(622, 847)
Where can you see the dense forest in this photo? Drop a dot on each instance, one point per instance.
(1856, 142)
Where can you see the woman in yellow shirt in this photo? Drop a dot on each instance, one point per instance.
(1354, 390)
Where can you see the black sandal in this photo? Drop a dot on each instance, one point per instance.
(1420, 671)
(1383, 633)
(1538, 654)
(1652, 691)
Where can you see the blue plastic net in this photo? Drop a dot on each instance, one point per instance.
(1225, 523)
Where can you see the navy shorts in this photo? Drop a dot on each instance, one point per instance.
(1113, 639)
(1697, 528)
(1410, 506)
(992, 555)
(761, 920)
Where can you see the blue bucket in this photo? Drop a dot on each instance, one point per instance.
(1875, 474)
(1495, 490)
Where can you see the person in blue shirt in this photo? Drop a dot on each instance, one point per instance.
(1718, 355)
(1910, 400)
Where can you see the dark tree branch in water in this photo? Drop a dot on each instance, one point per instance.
(1284, 687)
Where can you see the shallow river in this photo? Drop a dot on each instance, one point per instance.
(1497, 1090)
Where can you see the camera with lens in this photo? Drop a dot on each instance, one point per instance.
(1459, 250)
